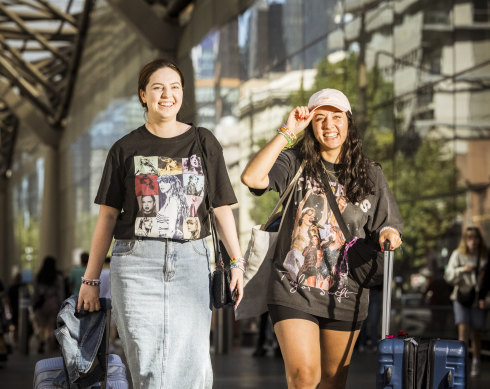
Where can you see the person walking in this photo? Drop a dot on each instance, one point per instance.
(49, 293)
(466, 272)
(160, 281)
(317, 323)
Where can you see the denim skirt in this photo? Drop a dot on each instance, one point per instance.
(161, 298)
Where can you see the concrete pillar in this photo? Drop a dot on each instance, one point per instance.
(51, 211)
(7, 248)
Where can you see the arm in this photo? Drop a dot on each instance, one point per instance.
(225, 224)
(256, 173)
(101, 241)
(454, 270)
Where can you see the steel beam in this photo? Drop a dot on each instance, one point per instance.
(160, 34)
(30, 116)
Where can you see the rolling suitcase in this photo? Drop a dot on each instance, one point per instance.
(47, 370)
(416, 363)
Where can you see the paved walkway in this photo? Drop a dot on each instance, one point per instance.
(237, 370)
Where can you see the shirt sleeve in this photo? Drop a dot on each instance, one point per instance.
(281, 173)
(386, 212)
(453, 271)
(219, 187)
(111, 189)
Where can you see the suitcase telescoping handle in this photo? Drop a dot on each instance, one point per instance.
(387, 284)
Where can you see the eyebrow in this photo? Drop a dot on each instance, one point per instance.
(161, 83)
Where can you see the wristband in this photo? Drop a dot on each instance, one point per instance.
(94, 282)
(390, 228)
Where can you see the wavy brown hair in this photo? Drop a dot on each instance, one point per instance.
(353, 168)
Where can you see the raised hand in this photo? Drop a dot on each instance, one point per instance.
(298, 119)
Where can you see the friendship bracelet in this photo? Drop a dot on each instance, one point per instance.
(94, 282)
(288, 138)
(286, 130)
(238, 262)
(389, 228)
(238, 266)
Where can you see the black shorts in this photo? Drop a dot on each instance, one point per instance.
(280, 312)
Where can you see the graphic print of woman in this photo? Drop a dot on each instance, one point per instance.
(305, 227)
(173, 207)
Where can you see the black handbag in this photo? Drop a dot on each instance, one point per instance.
(222, 295)
(365, 261)
(467, 298)
(221, 278)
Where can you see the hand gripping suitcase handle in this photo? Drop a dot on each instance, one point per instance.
(387, 281)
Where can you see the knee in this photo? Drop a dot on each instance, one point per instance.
(304, 377)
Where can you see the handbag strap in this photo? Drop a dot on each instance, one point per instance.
(336, 211)
(212, 218)
(288, 193)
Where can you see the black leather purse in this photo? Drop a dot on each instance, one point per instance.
(221, 278)
(222, 295)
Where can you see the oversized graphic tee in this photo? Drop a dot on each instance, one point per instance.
(310, 272)
(159, 184)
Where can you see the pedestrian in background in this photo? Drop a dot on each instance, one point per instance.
(49, 292)
(317, 309)
(466, 271)
(160, 281)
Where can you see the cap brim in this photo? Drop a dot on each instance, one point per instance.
(327, 105)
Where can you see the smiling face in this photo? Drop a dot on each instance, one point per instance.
(163, 94)
(330, 127)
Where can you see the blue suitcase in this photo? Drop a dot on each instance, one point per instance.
(415, 363)
(421, 363)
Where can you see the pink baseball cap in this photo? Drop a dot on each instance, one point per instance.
(332, 97)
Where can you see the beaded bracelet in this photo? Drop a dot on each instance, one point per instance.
(288, 138)
(286, 130)
(238, 266)
(237, 262)
(95, 282)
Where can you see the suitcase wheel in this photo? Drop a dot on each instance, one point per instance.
(387, 376)
(450, 379)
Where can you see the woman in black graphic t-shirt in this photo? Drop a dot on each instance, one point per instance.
(316, 306)
(152, 200)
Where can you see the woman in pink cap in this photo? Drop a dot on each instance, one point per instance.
(317, 325)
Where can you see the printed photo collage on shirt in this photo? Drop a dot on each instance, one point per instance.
(169, 192)
(316, 239)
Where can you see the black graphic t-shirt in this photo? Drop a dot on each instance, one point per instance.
(310, 272)
(159, 184)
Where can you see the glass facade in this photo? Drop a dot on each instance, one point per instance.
(416, 74)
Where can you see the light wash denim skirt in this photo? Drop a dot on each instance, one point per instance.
(161, 298)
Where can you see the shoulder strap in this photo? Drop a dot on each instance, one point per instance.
(288, 193)
(212, 219)
(336, 211)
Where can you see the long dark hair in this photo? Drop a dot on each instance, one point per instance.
(47, 274)
(353, 165)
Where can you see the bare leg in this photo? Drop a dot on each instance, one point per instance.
(300, 346)
(476, 344)
(463, 332)
(336, 351)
